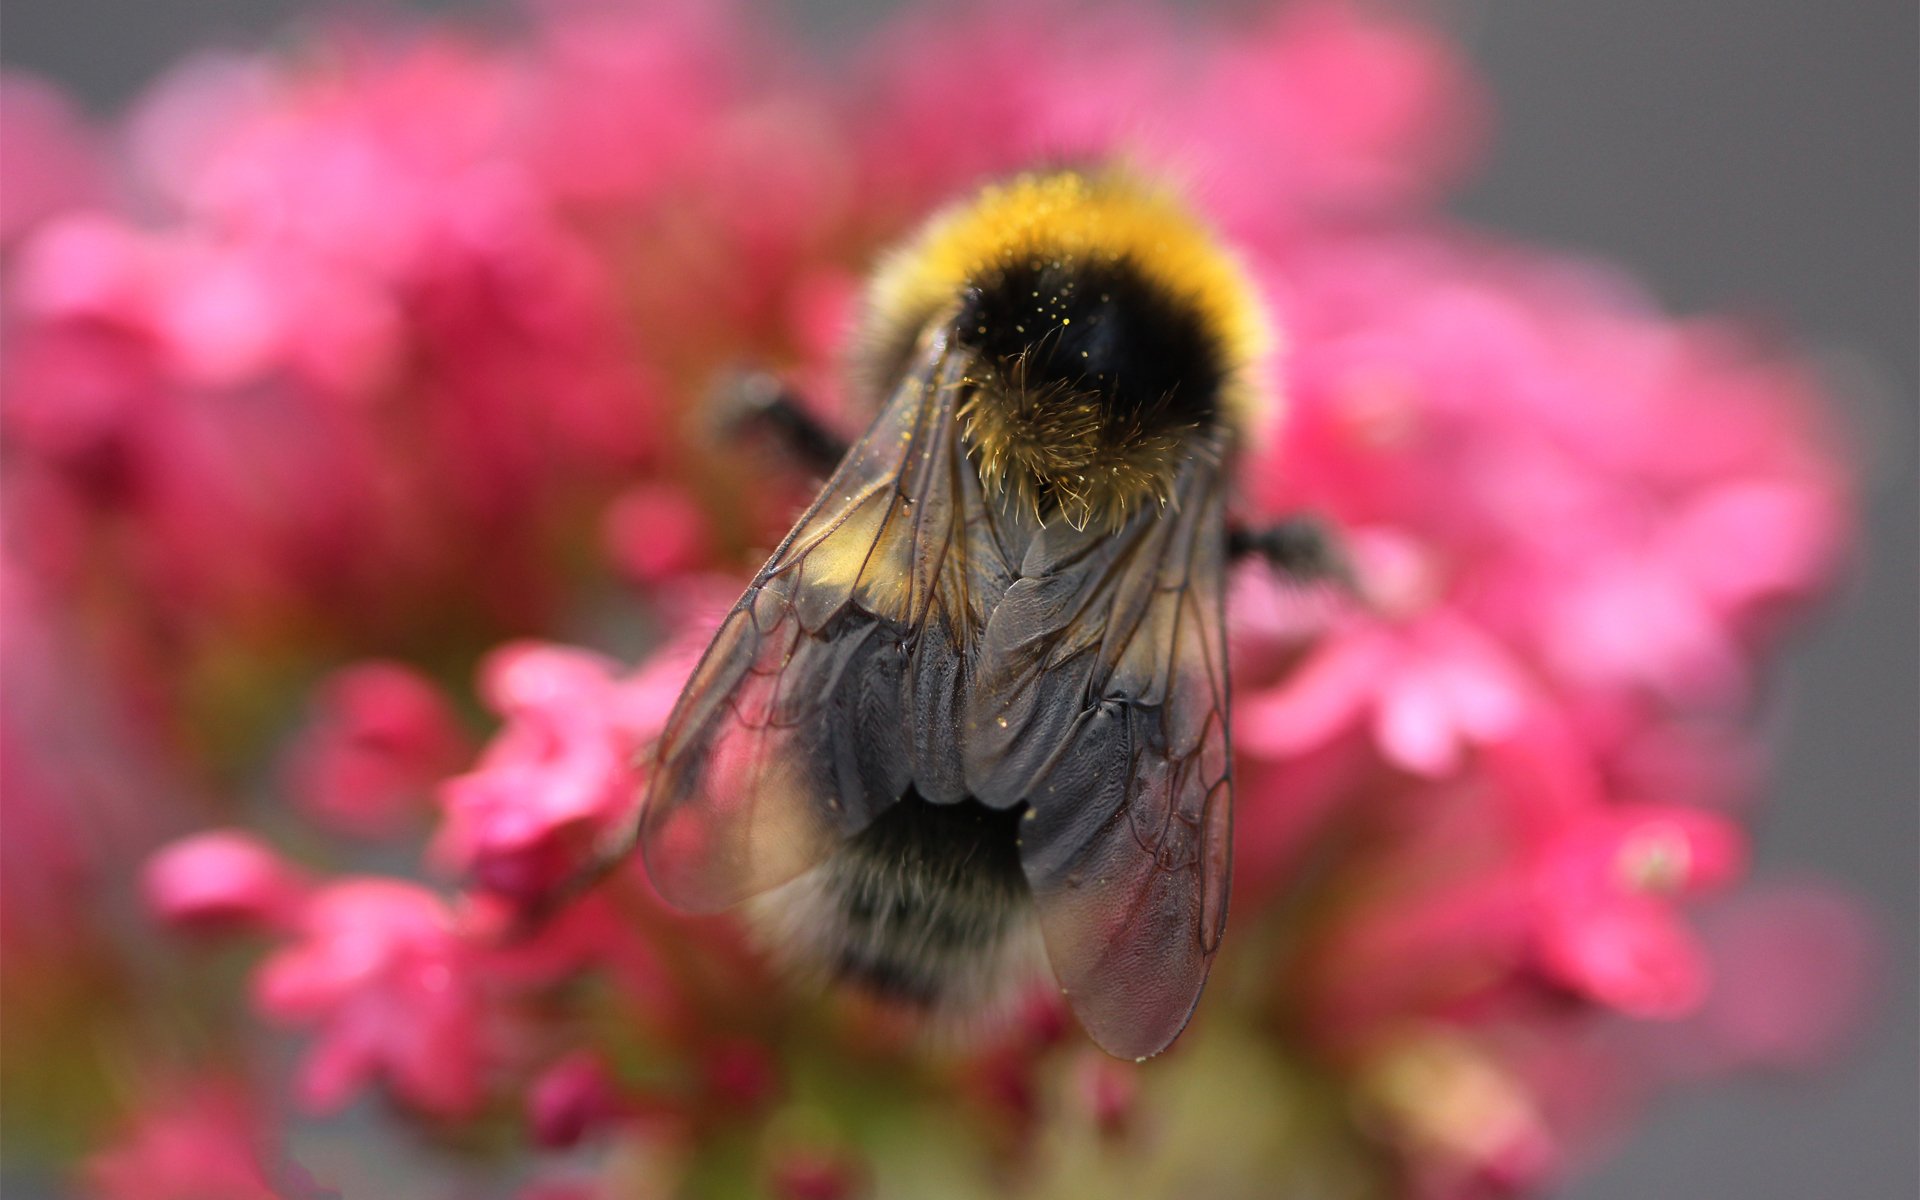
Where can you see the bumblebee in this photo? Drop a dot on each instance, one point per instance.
(970, 721)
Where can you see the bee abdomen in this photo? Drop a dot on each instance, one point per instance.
(927, 908)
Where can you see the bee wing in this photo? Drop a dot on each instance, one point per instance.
(830, 687)
(1101, 699)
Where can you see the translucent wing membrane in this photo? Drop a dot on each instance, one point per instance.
(834, 683)
(1101, 700)
(915, 634)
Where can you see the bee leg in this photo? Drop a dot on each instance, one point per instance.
(756, 400)
(1304, 550)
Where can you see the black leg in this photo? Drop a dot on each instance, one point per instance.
(755, 400)
(1303, 549)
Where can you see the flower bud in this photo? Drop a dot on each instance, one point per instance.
(220, 881)
(570, 1099)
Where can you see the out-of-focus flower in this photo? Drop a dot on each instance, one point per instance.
(741, 1076)
(55, 163)
(380, 971)
(571, 1098)
(1603, 915)
(1793, 965)
(84, 786)
(559, 774)
(1108, 1091)
(362, 345)
(222, 881)
(1470, 1123)
(1425, 692)
(1362, 112)
(198, 1141)
(380, 739)
(813, 1173)
(655, 533)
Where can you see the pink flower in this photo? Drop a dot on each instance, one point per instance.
(1108, 1090)
(570, 1099)
(1633, 549)
(1794, 965)
(557, 775)
(381, 737)
(198, 1141)
(1603, 903)
(561, 771)
(742, 1076)
(1426, 691)
(355, 344)
(1473, 893)
(654, 532)
(1011, 84)
(1339, 107)
(220, 881)
(56, 165)
(380, 972)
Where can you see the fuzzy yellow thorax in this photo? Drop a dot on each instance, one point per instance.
(1069, 219)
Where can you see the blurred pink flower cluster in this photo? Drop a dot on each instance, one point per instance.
(336, 381)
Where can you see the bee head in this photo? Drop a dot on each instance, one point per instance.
(1110, 337)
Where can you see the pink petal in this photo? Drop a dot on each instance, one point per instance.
(221, 880)
(1415, 728)
(1630, 955)
(1315, 702)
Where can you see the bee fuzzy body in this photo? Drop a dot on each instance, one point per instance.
(969, 723)
(1111, 336)
(926, 910)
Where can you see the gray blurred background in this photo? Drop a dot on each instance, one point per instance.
(1761, 156)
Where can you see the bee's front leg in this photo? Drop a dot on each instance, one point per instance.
(1303, 549)
(756, 400)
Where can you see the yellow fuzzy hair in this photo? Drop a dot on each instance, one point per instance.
(1106, 215)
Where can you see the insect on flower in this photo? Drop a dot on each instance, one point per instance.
(973, 710)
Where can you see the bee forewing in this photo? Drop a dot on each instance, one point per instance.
(743, 798)
(1101, 700)
(829, 689)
